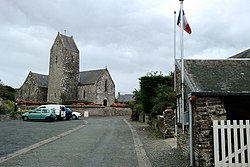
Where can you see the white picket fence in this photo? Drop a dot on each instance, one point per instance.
(231, 143)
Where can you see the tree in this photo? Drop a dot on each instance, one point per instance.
(7, 92)
(136, 105)
(149, 85)
(165, 98)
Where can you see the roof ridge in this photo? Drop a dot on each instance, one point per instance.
(68, 42)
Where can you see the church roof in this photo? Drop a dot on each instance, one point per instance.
(40, 79)
(68, 43)
(218, 77)
(244, 54)
(90, 77)
(86, 77)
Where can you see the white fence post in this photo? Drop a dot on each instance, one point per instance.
(231, 143)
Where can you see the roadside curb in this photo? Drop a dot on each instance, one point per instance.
(143, 160)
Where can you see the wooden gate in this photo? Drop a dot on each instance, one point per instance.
(231, 143)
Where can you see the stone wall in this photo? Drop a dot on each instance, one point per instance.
(92, 111)
(90, 93)
(205, 110)
(169, 123)
(103, 111)
(183, 140)
(164, 124)
(4, 117)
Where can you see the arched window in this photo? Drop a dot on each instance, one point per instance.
(84, 94)
(106, 85)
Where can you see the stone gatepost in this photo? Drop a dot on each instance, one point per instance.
(169, 123)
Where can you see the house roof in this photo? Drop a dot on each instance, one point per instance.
(125, 97)
(68, 42)
(244, 54)
(90, 77)
(40, 79)
(221, 77)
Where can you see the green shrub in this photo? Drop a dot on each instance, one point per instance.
(3, 110)
(14, 114)
(11, 105)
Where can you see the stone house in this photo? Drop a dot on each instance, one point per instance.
(214, 90)
(125, 98)
(65, 81)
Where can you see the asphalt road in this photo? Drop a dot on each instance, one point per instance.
(100, 141)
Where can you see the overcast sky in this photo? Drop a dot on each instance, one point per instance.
(130, 37)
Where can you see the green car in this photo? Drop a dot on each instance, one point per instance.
(40, 114)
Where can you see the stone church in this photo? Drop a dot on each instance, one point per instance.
(65, 81)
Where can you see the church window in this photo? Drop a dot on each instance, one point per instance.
(55, 95)
(84, 94)
(106, 85)
(56, 58)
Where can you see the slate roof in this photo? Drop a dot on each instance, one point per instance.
(90, 77)
(69, 43)
(221, 77)
(244, 54)
(40, 79)
(86, 77)
(125, 97)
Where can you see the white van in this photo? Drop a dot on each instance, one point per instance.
(59, 110)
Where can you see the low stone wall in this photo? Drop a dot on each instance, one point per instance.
(169, 123)
(92, 111)
(164, 124)
(102, 111)
(4, 117)
(158, 125)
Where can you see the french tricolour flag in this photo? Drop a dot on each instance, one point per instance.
(186, 26)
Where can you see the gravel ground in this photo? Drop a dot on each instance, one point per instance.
(160, 151)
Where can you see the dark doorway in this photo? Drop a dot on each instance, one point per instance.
(237, 107)
(105, 102)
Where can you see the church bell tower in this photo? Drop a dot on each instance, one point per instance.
(63, 70)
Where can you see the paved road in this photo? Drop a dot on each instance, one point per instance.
(105, 141)
(92, 142)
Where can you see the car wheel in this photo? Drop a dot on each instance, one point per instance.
(74, 117)
(25, 118)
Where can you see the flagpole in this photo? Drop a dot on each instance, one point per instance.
(174, 50)
(182, 66)
(182, 89)
(175, 125)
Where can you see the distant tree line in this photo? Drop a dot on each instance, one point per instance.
(7, 92)
(7, 95)
(156, 94)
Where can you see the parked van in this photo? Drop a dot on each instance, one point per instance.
(59, 110)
